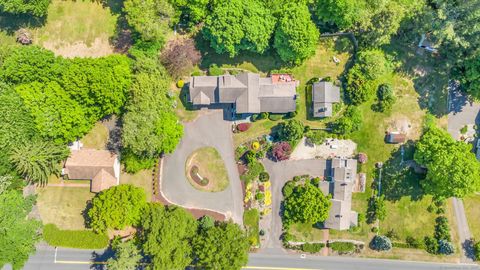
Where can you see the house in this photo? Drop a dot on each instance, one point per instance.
(395, 137)
(324, 95)
(343, 173)
(247, 91)
(100, 166)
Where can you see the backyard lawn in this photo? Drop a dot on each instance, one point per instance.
(209, 166)
(63, 206)
(472, 208)
(77, 28)
(97, 138)
(142, 179)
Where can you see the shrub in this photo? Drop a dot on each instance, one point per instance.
(362, 158)
(315, 181)
(243, 127)
(431, 245)
(74, 238)
(374, 229)
(380, 243)
(180, 83)
(445, 247)
(312, 247)
(275, 116)
(281, 151)
(400, 245)
(214, 70)
(385, 98)
(413, 242)
(342, 247)
(287, 189)
(206, 222)
(240, 151)
(476, 250)
(204, 181)
(291, 130)
(255, 145)
(316, 136)
(264, 177)
(392, 234)
(464, 129)
(179, 57)
(254, 170)
(134, 164)
(442, 229)
(250, 157)
(361, 218)
(350, 122)
(259, 196)
(327, 79)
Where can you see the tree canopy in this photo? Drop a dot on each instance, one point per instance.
(18, 234)
(452, 169)
(291, 130)
(166, 236)
(150, 18)
(126, 257)
(296, 36)
(351, 121)
(37, 8)
(237, 25)
(37, 160)
(224, 246)
(306, 204)
(117, 207)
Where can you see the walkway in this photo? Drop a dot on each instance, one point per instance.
(280, 173)
(208, 130)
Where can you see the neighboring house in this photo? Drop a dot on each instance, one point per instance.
(100, 166)
(343, 174)
(395, 137)
(249, 92)
(324, 95)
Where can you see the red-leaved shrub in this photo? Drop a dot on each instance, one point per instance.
(281, 151)
(362, 158)
(243, 127)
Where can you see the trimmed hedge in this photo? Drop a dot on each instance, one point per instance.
(312, 247)
(73, 239)
(275, 116)
(342, 246)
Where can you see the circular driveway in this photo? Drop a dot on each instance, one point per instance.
(208, 130)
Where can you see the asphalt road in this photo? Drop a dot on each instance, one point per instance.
(74, 259)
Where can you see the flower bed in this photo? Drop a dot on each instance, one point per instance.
(202, 181)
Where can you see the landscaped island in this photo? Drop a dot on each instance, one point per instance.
(205, 170)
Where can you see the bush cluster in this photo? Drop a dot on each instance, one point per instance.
(381, 243)
(281, 151)
(243, 127)
(342, 247)
(312, 247)
(74, 238)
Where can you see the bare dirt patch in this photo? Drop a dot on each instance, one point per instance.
(100, 47)
(403, 124)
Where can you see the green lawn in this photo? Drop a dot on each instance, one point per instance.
(63, 206)
(305, 232)
(77, 28)
(97, 138)
(250, 220)
(142, 179)
(472, 208)
(211, 166)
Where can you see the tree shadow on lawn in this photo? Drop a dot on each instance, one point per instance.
(11, 23)
(265, 62)
(399, 179)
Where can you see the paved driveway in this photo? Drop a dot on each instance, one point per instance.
(280, 173)
(462, 112)
(208, 130)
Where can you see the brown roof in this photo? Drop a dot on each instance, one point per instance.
(396, 138)
(86, 163)
(103, 180)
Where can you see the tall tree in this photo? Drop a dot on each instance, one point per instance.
(296, 36)
(192, 11)
(452, 169)
(306, 204)
(237, 25)
(31, 7)
(166, 236)
(117, 207)
(126, 257)
(18, 233)
(150, 126)
(56, 116)
(180, 56)
(100, 85)
(37, 160)
(224, 246)
(152, 19)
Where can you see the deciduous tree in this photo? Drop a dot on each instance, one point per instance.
(18, 234)
(180, 56)
(166, 236)
(306, 204)
(350, 122)
(116, 208)
(224, 246)
(296, 36)
(126, 257)
(237, 25)
(32, 7)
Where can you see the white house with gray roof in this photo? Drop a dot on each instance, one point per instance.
(249, 92)
(324, 94)
(340, 185)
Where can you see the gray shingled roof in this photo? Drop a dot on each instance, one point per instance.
(249, 92)
(323, 95)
